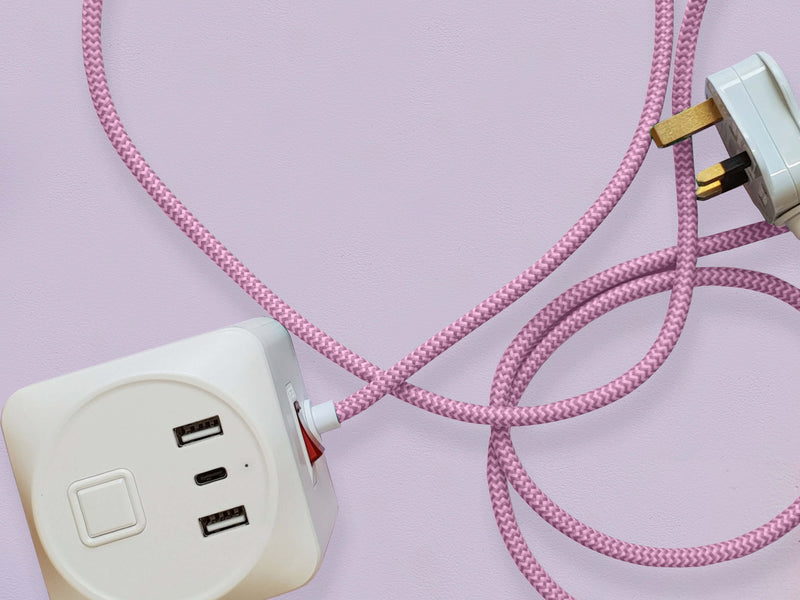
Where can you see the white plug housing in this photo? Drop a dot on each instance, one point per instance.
(760, 116)
(179, 473)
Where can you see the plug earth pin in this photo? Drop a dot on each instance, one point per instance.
(685, 124)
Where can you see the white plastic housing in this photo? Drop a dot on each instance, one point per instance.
(111, 499)
(761, 116)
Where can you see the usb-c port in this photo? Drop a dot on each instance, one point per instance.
(211, 476)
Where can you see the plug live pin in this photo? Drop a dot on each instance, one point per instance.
(685, 124)
(722, 177)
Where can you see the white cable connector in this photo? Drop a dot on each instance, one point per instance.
(321, 418)
(758, 119)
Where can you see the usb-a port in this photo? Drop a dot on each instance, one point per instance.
(197, 431)
(223, 520)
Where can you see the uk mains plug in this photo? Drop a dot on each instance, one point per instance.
(758, 119)
(179, 473)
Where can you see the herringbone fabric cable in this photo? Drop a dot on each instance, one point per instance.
(673, 269)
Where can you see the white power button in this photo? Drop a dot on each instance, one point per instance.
(106, 507)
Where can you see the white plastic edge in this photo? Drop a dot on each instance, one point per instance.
(792, 221)
(782, 83)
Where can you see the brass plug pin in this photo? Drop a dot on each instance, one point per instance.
(711, 174)
(722, 177)
(733, 164)
(706, 192)
(685, 124)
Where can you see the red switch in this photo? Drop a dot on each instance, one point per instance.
(313, 447)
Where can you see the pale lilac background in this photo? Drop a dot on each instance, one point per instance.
(384, 166)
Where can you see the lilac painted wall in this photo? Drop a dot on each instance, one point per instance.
(384, 166)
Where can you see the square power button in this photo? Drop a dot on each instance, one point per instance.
(106, 507)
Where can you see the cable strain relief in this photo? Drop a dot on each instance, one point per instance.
(320, 418)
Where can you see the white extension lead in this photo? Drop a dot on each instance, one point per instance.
(110, 530)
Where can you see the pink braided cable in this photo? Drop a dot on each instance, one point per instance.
(634, 157)
(500, 446)
(311, 334)
(672, 269)
(587, 301)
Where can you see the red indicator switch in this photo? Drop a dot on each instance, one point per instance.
(313, 446)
